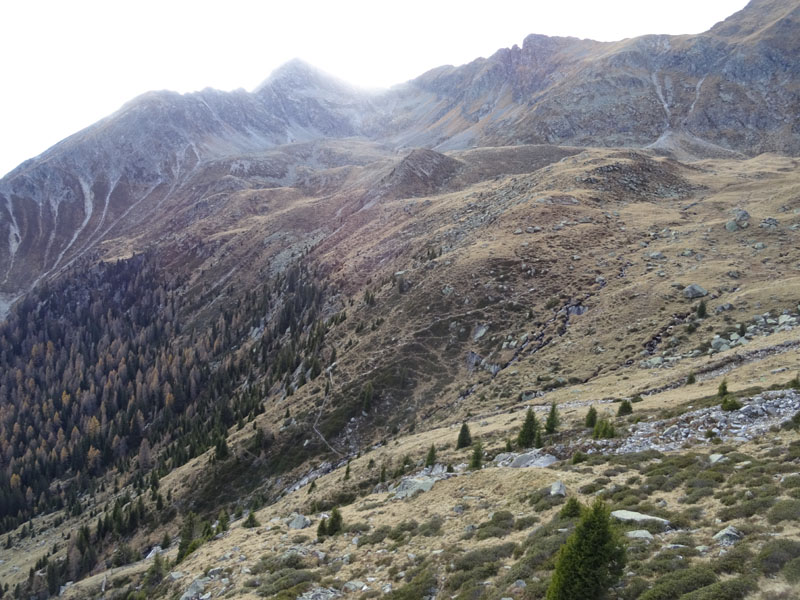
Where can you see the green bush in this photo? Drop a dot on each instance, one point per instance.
(731, 589)
(419, 587)
(784, 510)
(475, 558)
(775, 554)
(592, 559)
(398, 534)
(674, 585)
(730, 403)
(375, 537)
(287, 583)
(736, 560)
(431, 527)
(571, 510)
(500, 525)
(791, 482)
(748, 508)
(791, 570)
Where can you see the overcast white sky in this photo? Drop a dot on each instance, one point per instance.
(67, 63)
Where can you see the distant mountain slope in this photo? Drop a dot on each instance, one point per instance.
(728, 92)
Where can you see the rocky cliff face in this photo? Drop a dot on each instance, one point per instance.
(730, 91)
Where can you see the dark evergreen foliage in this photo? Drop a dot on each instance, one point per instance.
(591, 561)
(464, 437)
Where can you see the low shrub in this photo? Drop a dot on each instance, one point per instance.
(675, 585)
(775, 554)
(791, 570)
(784, 510)
(736, 560)
(730, 589)
(500, 525)
(475, 558)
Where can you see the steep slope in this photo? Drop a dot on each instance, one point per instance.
(732, 89)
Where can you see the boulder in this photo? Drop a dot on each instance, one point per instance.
(728, 536)
(635, 517)
(558, 489)
(640, 534)
(693, 291)
(320, 594)
(353, 586)
(533, 459)
(412, 486)
(298, 521)
(195, 589)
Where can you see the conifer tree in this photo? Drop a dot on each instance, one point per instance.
(464, 437)
(251, 521)
(430, 460)
(625, 408)
(322, 528)
(591, 417)
(551, 424)
(477, 456)
(527, 435)
(591, 560)
(335, 523)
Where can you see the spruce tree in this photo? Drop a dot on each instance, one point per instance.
(464, 437)
(335, 523)
(187, 535)
(477, 456)
(625, 408)
(527, 435)
(251, 521)
(591, 417)
(537, 441)
(591, 560)
(551, 424)
(322, 528)
(430, 460)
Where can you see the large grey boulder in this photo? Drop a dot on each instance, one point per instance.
(533, 459)
(693, 291)
(412, 486)
(195, 589)
(320, 594)
(635, 517)
(558, 489)
(298, 521)
(353, 586)
(640, 534)
(728, 536)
